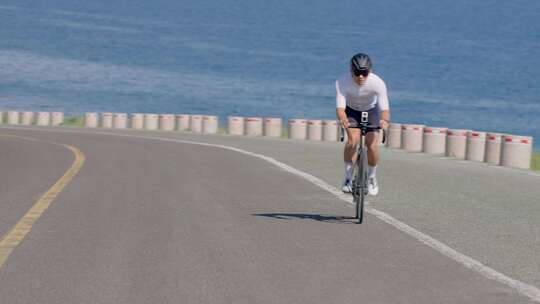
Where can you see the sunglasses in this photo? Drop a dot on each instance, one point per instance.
(363, 72)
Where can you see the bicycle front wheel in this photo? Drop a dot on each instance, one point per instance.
(360, 185)
(355, 187)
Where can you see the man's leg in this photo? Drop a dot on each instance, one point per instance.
(349, 156)
(353, 138)
(372, 143)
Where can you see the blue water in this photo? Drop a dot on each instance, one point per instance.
(460, 64)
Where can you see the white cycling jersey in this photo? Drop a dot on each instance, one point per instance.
(361, 98)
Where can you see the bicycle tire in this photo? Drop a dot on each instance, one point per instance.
(361, 183)
(355, 187)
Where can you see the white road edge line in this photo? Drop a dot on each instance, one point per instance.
(525, 289)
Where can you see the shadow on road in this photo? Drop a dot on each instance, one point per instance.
(314, 217)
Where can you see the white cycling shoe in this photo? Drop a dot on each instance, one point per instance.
(346, 187)
(373, 187)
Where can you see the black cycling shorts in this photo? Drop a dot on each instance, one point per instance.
(355, 117)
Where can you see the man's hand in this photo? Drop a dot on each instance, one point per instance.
(342, 117)
(385, 119)
(344, 122)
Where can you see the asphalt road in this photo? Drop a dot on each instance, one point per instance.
(148, 221)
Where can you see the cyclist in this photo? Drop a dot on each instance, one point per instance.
(361, 91)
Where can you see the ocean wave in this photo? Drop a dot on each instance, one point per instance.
(75, 75)
(457, 101)
(89, 26)
(216, 47)
(9, 8)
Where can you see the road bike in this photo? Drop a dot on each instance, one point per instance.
(359, 182)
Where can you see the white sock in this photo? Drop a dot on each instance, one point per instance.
(372, 171)
(348, 170)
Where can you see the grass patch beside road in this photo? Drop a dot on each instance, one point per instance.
(73, 122)
(535, 163)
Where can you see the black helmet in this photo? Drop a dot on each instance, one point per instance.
(361, 61)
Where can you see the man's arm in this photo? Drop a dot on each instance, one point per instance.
(385, 119)
(340, 107)
(342, 117)
(384, 105)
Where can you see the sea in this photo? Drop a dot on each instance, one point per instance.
(472, 64)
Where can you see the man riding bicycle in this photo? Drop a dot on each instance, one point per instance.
(361, 91)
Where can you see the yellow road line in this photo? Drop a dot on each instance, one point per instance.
(15, 236)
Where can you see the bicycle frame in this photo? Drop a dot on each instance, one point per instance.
(359, 185)
(360, 177)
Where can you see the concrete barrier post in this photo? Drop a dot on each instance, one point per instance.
(166, 122)
(412, 137)
(57, 118)
(394, 136)
(314, 130)
(330, 130)
(516, 151)
(120, 120)
(91, 120)
(253, 126)
(137, 121)
(182, 122)
(107, 120)
(151, 121)
(476, 146)
(13, 118)
(272, 127)
(493, 148)
(43, 118)
(196, 123)
(235, 125)
(297, 128)
(456, 143)
(434, 140)
(27, 118)
(210, 124)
